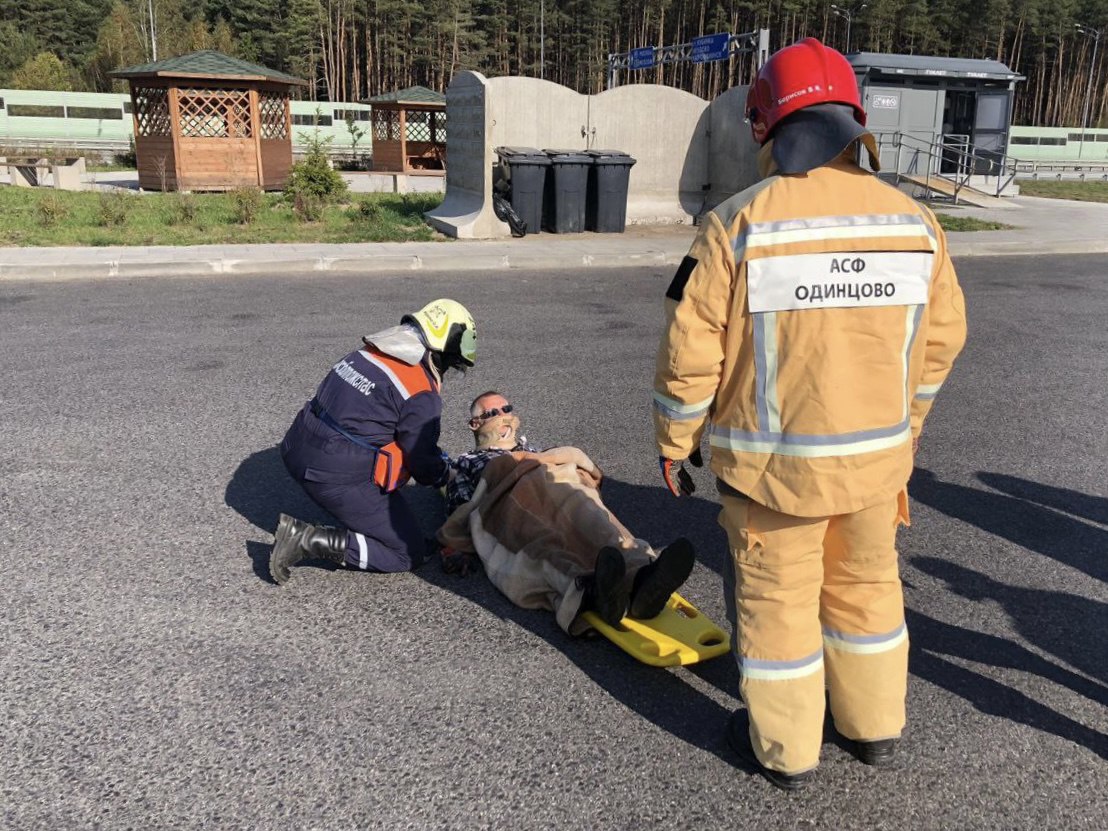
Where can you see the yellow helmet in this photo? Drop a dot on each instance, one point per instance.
(447, 327)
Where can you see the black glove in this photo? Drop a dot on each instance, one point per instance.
(677, 479)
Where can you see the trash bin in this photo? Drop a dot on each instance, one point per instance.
(607, 199)
(567, 191)
(527, 167)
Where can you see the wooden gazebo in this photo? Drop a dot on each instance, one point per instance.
(409, 131)
(207, 121)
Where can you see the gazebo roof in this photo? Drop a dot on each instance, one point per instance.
(207, 63)
(411, 95)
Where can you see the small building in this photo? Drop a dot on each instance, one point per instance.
(207, 121)
(409, 131)
(958, 109)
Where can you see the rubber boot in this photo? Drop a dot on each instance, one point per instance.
(604, 592)
(657, 580)
(296, 541)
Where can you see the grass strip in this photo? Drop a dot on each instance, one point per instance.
(33, 217)
(1060, 189)
(969, 223)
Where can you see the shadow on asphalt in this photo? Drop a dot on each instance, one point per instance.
(1069, 627)
(1062, 624)
(1022, 520)
(993, 697)
(652, 513)
(660, 696)
(1094, 508)
(259, 491)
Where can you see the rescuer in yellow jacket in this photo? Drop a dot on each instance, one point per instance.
(807, 333)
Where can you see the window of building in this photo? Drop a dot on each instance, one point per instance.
(1025, 139)
(36, 111)
(358, 115)
(311, 120)
(127, 106)
(1052, 141)
(104, 113)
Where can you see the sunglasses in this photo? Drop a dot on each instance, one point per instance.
(493, 413)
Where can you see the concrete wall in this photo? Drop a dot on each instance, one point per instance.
(661, 127)
(690, 155)
(732, 153)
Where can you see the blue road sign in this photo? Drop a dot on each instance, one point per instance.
(642, 58)
(710, 48)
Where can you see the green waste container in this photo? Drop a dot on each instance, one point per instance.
(527, 168)
(609, 175)
(567, 191)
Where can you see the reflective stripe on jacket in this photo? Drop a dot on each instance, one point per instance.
(807, 333)
(388, 404)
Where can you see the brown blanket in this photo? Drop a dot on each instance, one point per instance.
(537, 523)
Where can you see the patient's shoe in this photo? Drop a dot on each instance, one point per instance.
(604, 592)
(656, 581)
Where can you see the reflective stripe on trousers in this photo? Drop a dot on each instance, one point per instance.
(816, 602)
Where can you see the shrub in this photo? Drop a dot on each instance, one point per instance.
(368, 209)
(114, 207)
(307, 207)
(51, 211)
(129, 158)
(313, 175)
(183, 209)
(245, 204)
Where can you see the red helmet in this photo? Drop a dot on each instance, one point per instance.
(798, 76)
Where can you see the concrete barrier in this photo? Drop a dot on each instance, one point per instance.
(690, 154)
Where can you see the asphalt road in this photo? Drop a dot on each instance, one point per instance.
(152, 677)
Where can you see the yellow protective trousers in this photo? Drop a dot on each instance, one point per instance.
(816, 602)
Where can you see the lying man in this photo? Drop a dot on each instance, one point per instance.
(546, 540)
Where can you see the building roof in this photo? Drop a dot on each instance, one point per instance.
(930, 66)
(411, 95)
(207, 63)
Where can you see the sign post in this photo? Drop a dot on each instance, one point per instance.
(704, 49)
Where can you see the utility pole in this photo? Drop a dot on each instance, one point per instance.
(1088, 31)
(848, 16)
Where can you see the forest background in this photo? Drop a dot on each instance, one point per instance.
(351, 49)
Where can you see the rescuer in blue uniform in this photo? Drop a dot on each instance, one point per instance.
(373, 423)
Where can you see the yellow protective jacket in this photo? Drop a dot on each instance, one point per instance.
(808, 331)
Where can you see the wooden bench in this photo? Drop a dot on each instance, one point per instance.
(428, 158)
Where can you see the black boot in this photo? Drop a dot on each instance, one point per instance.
(604, 593)
(877, 753)
(296, 541)
(656, 581)
(738, 737)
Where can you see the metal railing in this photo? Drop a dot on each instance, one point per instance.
(1058, 169)
(106, 147)
(932, 154)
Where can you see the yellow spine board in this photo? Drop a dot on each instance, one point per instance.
(679, 636)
